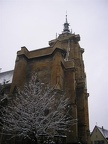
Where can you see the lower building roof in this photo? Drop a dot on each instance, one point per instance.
(6, 77)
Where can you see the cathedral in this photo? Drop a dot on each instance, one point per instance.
(61, 66)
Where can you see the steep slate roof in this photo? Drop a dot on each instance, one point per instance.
(104, 132)
(6, 77)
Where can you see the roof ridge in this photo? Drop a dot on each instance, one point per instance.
(102, 128)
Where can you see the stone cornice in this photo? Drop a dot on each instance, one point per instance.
(65, 37)
(39, 53)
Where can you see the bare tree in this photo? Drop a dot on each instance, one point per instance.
(35, 111)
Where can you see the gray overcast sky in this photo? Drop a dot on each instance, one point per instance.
(32, 23)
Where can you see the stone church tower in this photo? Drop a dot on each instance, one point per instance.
(61, 66)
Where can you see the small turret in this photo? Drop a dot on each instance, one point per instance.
(66, 27)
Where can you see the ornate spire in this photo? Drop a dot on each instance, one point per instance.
(66, 26)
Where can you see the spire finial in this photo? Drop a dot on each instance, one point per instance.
(66, 26)
(66, 17)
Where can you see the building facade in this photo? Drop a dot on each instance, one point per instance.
(61, 66)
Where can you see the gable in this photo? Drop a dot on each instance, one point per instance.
(98, 137)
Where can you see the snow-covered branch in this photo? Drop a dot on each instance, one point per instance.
(37, 110)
